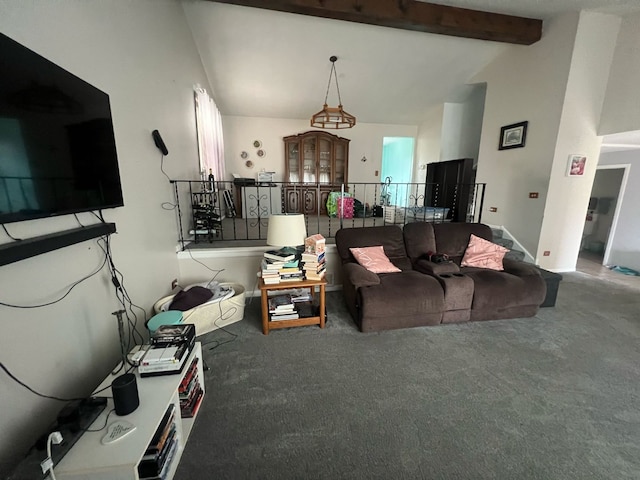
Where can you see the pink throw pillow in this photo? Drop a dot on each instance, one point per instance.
(484, 254)
(374, 259)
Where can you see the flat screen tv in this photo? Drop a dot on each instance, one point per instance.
(57, 147)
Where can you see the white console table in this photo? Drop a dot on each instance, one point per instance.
(89, 459)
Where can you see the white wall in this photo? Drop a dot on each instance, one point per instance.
(620, 113)
(428, 143)
(558, 86)
(142, 54)
(462, 126)
(568, 196)
(526, 83)
(366, 141)
(624, 247)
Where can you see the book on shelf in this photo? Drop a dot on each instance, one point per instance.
(288, 270)
(165, 354)
(314, 267)
(162, 431)
(166, 368)
(192, 372)
(270, 275)
(267, 265)
(297, 278)
(173, 334)
(158, 469)
(293, 275)
(279, 302)
(282, 308)
(301, 296)
(285, 316)
(281, 255)
(312, 257)
(271, 281)
(191, 407)
(316, 276)
(155, 459)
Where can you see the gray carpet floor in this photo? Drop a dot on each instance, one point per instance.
(556, 396)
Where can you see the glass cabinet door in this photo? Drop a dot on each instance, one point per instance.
(340, 163)
(324, 161)
(309, 160)
(293, 160)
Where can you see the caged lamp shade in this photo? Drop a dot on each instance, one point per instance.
(333, 117)
(286, 230)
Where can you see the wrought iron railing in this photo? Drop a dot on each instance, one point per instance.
(228, 213)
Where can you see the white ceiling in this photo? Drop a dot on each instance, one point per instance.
(279, 65)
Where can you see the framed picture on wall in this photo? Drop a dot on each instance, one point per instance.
(513, 136)
(575, 165)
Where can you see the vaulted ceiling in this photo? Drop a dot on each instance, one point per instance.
(266, 63)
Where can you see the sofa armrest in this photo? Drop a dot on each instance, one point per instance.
(519, 268)
(423, 265)
(359, 276)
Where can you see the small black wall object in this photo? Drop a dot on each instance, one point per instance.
(159, 142)
(125, 394)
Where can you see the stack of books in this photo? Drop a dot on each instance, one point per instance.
(190, 391)
(270, 273)
(156, 461)
(313, 258)
(280, 266)
(168, 351)
(290, 272)
(281, 307)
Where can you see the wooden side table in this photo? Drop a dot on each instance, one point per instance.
(268, 325)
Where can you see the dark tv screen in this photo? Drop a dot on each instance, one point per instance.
(57, 147)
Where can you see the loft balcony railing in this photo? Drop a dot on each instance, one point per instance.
(225, 214)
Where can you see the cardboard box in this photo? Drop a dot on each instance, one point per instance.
(315, 243)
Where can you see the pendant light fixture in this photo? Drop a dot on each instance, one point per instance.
(333, 118)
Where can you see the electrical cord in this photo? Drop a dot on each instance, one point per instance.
(54, 437)
(78, 220)
(162, 168)
(21, 383)
(106, 421)
(9, 235)
(221, 317)
(73, 285)
(117, 278)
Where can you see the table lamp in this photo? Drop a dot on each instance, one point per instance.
(287, 231)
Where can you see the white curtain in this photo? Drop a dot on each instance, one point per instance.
(210, 141)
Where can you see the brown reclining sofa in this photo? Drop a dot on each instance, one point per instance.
(426, 293)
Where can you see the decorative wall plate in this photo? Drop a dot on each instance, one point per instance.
(257, 143)
(244, 154)
(248, 164)
(261, 153)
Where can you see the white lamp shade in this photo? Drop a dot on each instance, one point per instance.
(286, 230)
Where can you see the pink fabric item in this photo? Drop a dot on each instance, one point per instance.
(374, 259)
(345, 207)
(484, 254)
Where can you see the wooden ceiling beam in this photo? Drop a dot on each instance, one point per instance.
(413, 15)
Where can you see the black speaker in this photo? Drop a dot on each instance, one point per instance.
(157, 139)
(125, 394)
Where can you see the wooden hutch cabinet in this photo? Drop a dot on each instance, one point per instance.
(316, 163)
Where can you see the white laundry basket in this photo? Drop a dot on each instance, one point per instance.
(212, 315)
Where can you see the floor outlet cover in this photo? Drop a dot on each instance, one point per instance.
(117, 430)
